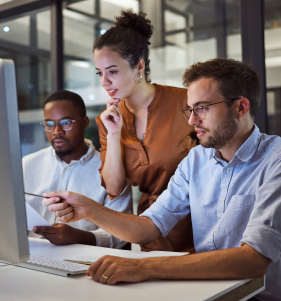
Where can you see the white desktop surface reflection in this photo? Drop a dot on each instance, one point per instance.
(23, 284)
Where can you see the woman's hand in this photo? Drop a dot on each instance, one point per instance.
(111, 117)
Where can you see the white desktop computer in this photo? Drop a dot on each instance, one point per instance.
(14, 247)
(13, 232)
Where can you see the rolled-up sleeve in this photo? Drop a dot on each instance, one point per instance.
(173, 204)
(263, 231)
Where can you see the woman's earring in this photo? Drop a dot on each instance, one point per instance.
(138, 78)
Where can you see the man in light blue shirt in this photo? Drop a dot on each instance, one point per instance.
(231, 184)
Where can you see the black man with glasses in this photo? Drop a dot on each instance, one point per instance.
(70, 163)
(230, 183)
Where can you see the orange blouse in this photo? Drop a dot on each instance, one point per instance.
(150, 165)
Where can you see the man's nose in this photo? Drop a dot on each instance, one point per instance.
(58, 130)
(193, 120)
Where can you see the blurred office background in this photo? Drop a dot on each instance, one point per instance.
(51, 43)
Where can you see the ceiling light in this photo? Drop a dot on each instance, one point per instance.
(273, 61)
(81, 64)
(92, 97)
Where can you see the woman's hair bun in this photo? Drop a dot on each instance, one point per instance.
(136, 21)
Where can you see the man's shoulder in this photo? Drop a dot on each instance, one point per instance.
(91, 160)
(95, 154)
(271, 145)
(39, 155)
(271, 142)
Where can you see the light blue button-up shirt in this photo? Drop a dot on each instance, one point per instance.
(231, 203)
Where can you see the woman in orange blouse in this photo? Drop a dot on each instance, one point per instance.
(143, 132)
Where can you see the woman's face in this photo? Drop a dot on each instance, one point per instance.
(116, 75)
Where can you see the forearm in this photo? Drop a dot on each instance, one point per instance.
(236, 263)
(86, 238)
(113, 171)
(63, 234)
(128, 227)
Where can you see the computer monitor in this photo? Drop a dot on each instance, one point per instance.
(13, 230)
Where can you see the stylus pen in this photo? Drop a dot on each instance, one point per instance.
(79, 261)
(40, 196)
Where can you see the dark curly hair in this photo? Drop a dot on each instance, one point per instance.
(234, 79)
(130, 38)
(76, 100)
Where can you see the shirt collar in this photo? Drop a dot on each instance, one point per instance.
(217, 157)
(250, 146)
(246, 150)
(85, 158)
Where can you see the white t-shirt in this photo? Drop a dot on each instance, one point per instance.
(44, 171)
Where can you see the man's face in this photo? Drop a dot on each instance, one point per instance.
(65, 142)
(220, 124)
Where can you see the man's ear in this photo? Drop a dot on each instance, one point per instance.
(243, 107)
(86, 122)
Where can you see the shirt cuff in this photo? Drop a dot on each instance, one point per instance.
(163, 219)
(265, 240)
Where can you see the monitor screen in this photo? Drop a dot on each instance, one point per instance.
(13, 231)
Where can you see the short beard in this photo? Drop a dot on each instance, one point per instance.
(223, 133)
(64, 153)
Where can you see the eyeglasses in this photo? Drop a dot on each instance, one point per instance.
(65, 124)
(200, 111)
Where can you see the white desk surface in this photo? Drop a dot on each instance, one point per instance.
(28, 285)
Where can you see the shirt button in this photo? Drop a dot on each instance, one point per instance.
(221, 201)
(228, 170)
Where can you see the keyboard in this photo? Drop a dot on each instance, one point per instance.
(53, 266)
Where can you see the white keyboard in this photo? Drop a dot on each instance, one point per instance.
(58, 267)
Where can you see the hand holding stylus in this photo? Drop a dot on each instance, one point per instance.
(68, 206)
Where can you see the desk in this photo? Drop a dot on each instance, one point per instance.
(28, 285)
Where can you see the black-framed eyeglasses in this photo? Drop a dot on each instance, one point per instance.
(65, 124)
(200, 111)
